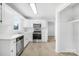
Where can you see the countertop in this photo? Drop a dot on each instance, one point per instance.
(10, 37)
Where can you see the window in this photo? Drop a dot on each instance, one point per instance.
(16, 27)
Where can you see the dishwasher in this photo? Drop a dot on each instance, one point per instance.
(19, 45)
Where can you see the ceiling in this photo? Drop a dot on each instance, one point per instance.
(44, 10)
(47, 10)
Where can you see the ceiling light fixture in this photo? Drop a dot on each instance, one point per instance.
(32, 5)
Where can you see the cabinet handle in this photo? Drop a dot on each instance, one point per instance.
(11, 50)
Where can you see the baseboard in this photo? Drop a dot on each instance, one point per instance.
(68, 52)
(64, 51)
(76, 53)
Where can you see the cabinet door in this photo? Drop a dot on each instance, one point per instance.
(44, 35)
(0, 12)
(4, 48)
(3, 12)
(13, 47)
(27, 38)
(76, 36)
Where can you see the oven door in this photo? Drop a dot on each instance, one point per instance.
(36, 36)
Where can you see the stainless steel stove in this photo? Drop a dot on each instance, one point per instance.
(37, 35)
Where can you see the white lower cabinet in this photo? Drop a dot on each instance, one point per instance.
(8, 47)
(27, 38)
(13, 48)
(44, 35)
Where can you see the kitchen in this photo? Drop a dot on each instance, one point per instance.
(47, 30)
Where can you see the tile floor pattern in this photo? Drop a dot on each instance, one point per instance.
(43, 49)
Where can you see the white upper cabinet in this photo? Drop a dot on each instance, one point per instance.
(0, 12)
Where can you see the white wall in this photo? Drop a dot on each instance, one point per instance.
(51, 29)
